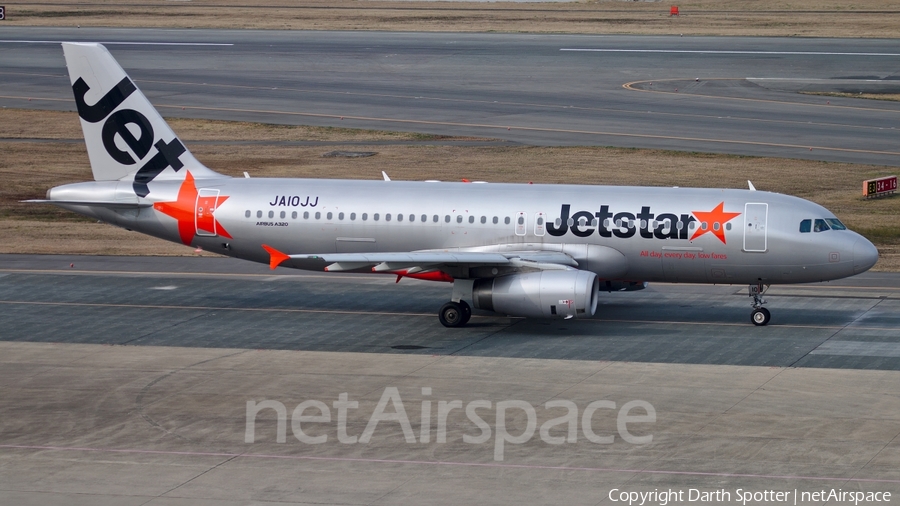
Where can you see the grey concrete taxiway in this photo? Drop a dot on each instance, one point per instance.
(129, 380)
(228, 303)
(714, 94)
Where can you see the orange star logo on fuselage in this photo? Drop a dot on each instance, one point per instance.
(714, 220)
(193, 212)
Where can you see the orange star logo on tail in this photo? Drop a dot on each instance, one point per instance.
(714, 220)
(193, 212)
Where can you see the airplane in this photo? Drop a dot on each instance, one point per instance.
(524, 250)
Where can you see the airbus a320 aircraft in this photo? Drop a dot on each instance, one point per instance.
(520, 250)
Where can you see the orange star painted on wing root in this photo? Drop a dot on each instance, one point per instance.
(717, 215)
(193, 213)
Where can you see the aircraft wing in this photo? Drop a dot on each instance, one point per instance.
(414, 262)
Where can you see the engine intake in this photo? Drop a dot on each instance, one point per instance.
(543, 294)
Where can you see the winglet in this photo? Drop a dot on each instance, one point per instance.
(385, 176)
(752, 188)
(275, 257)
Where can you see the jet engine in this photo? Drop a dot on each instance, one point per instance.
(542, 294)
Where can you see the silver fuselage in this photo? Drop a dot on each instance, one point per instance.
(760, 242)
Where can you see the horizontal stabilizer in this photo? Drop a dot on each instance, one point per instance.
(92, 203)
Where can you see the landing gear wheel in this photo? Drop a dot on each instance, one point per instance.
(760, 316)
(466, 311)
(452, 314)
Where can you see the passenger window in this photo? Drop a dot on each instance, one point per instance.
(365, 216)
(352, 216)
(471, 219)
(496, 220)
(412, 217)
(387, 217)
(259, 214)
(247, 214)
(399, 217)
(294, 215)
(820, 226)
(483, 220)
(425, 218)
(805, 226)
(272, 214)
(521, 220)
(341, 216)
(318, 215)
(459, 218)
(306, 215)
(506, 220)
(282, 215)
(375, 216)
(435, 218)
(328, 216)
(447, 218)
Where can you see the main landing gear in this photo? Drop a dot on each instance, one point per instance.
(760, 315)
(455, 314)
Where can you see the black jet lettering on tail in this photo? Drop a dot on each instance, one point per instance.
(167, 155)
(118, 124)
(104, 106)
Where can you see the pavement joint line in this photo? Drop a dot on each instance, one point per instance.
(630, 86)
(496, 465)
(335, 276)
(428, 315)
(597, 133)
(216, 308)
(836, 332)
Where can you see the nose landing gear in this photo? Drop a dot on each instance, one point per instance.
(759, 316)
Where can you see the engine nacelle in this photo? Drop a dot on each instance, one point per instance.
(542, 294)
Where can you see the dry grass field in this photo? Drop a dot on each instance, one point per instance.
(29, 168)
(804, 18)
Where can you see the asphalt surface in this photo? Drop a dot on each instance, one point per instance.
(728, 95)
(227, 303)
(127, 379)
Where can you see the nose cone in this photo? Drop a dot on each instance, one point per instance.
(865, 254)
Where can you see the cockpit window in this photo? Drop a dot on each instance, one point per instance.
(836, 224)
(805, 226)
(820, 226)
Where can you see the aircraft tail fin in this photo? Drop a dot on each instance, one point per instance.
(126, 137)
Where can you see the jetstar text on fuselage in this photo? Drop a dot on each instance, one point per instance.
(625, 224)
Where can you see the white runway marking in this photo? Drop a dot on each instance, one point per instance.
(8, 41)
(705, 51)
